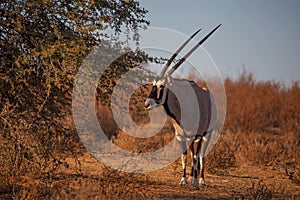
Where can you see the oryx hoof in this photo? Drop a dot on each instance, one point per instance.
(196, 183)
(190, 180)
(183, 181)
(202, 182)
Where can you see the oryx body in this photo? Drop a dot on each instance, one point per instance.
(192, 110)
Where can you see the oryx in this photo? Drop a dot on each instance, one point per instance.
(173, 95)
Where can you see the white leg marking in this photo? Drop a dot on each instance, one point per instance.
(205, 142)
(183, 160)
(183, 181)
(202, 160)
(195, 178)
(192, 168)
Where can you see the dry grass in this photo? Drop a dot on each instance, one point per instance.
(261, 130)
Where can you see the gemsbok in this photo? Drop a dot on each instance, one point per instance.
(192, 109)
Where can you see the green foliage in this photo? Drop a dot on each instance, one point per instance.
(115, 72)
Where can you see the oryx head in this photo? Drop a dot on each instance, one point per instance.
(157, 95)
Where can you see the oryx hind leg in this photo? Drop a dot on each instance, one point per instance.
(204, 144)
(192, 151)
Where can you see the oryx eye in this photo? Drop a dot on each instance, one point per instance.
(153, 92)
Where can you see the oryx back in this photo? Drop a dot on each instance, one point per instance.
(203, 117)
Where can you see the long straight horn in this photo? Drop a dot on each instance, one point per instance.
(176, 53)
(191, 51)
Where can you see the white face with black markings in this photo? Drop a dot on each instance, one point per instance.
(156, 97)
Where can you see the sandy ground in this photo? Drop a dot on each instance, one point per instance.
(244, 182)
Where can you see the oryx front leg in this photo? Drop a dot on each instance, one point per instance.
(195, 158)
(182, 142)
(183, 180)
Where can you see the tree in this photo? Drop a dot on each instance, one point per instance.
(42, 44)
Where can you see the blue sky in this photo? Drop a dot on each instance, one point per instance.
(263, 36)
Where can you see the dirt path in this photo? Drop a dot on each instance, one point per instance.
(245, 182)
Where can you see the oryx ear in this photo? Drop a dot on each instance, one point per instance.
(169, 80)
